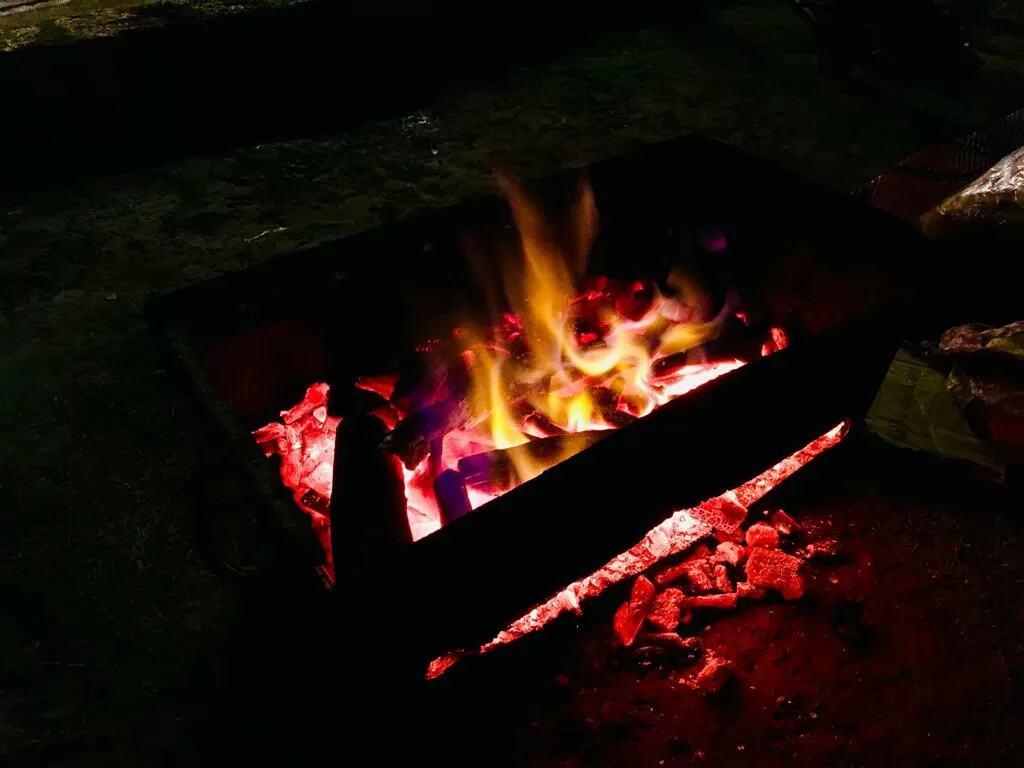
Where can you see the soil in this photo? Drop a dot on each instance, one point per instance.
(907, 650)
(119, 647)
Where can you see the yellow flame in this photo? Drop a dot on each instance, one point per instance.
(581, 411)
(558, 374)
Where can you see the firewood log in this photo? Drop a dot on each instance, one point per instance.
(411, 439)
(495, 471)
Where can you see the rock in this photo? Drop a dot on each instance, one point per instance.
(698, 574)
(772, 569)
(734, 536)
(722, 581)
(723, 602)
(783, 523)
(631, 614)
(712, 677)
(701, 575)
(730, 552)
(747, 590)
(665, 611)
(762, 535)
(823, 549)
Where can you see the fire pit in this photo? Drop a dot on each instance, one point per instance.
(499, 410)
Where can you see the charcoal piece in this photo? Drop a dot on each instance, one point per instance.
(631, 614)
(748, 591)
(315, 502)
(783, 523)
(411, 439)
(538, 423)
(773, 569)
(700, 575)
(824, 548)
(762, 535)
(315, 397)
(452, 498)
(696, 572)
(273, 438)
(721, 602)
(369, 522)
(722, 581)
(606, 403)
(495, 471)
(730, 552)
(388, 414)
(429, 376)
(712, 677)
(665, 613)
(669, 366)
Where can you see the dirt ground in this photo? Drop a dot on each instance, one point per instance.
(117, 645)
(907, 650)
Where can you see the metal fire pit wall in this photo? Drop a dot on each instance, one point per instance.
(246, 345)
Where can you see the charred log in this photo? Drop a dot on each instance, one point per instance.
(539, 424)
(369, 523)
(432, 375)
(412, 437)
(495, 471)
(452, 497)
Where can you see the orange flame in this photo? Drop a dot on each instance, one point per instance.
(557, 375)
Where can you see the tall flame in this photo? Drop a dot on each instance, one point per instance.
(547, 366)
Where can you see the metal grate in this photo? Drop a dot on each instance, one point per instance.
(926, 178)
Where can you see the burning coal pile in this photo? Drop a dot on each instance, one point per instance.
(566, 360)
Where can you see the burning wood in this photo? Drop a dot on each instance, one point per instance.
(563, 366)
(411, 439)
(498, 471)
(452, 496)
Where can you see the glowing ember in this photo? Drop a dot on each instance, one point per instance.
(677, 534)
(573, 358)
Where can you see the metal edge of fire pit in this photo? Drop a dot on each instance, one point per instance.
(578, 515)
(261, 486)
(174, 317)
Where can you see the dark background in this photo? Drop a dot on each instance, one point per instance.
(115, 640)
